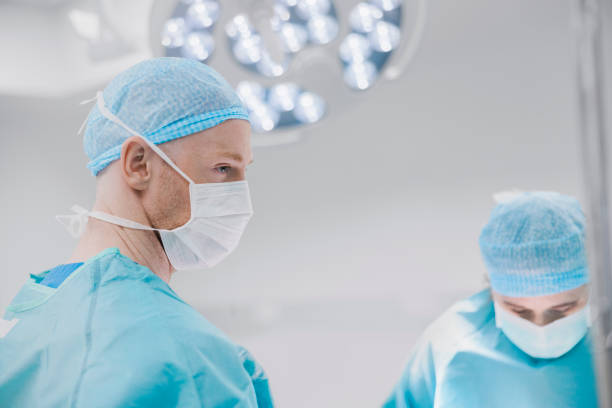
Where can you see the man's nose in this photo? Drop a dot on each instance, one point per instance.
(543, 320)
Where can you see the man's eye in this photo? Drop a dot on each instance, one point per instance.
(224, 169)
(557, 313)
(563, 309)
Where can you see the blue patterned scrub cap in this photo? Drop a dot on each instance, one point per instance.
(533, 245)
(162, 99)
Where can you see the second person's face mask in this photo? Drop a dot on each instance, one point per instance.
(550, 341)
(219, 215)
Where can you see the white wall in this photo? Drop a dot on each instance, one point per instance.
(365, 231)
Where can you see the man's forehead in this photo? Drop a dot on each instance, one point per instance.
(228, 148)
(222, 141)
(235, 156)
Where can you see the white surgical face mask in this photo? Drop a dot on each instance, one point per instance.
(550, 341)
(219, 215)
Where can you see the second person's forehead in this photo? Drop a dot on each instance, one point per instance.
(543, 302)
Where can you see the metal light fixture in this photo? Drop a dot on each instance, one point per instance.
(188, 32)
(292, 62)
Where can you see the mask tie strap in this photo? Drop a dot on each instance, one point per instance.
(112, 219)
(85, 102)
(75, 223)
(111, 116)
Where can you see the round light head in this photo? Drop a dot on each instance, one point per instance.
(263, 118)
(202, 14)
(266, 66)
(364, 17)
(387, 5)
(248, 50)
(310, 108)
(238, 27)
(385, 37)
(355, 48)
(308, 9)
(173, 33)
(251, 93)
(288, 3)
(360, 75)
(293, 37)
(199, 45)
(283, 97)
(322, 29)
(281, 15)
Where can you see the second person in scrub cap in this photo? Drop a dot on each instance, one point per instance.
(524, 341)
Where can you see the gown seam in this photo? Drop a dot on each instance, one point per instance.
(88, 336)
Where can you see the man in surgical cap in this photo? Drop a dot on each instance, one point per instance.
(524, 341)
(168, 141)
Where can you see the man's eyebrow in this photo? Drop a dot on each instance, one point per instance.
(515, 305)
(234, 156)
(572, 303)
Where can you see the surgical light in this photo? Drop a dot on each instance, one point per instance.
(375, 35)
(294, 36)
(173, 35)
(385, 37)
(188, 33)
(360, 75)
(238, 27)
(295, 23)
(310, 108)
(289, 3)
(308, 9)
(202, 14)
(198, 45)
(281, 13)
(355, 48)
(283, 97)
(387, 5)
(248, 50)
(251, 93)
(284, 104)
(322, 29)
(267, 66)
(263, 118)
(364, 16)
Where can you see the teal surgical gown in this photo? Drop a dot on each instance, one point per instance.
(113, 334)
(464, 361)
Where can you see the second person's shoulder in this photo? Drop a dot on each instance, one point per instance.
(462, 320)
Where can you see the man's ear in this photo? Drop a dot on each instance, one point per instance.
(136, 163)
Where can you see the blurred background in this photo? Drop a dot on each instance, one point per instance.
(366, 220)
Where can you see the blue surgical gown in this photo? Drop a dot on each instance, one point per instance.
(464, 361)
(113, 334)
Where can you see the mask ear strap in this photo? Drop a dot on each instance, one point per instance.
(84, 124)
(75, 224)
(120, 221)
(111, 116)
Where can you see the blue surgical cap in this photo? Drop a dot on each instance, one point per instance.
(533, 245)
(162, 99)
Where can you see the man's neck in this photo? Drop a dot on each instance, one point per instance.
(143, 247)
